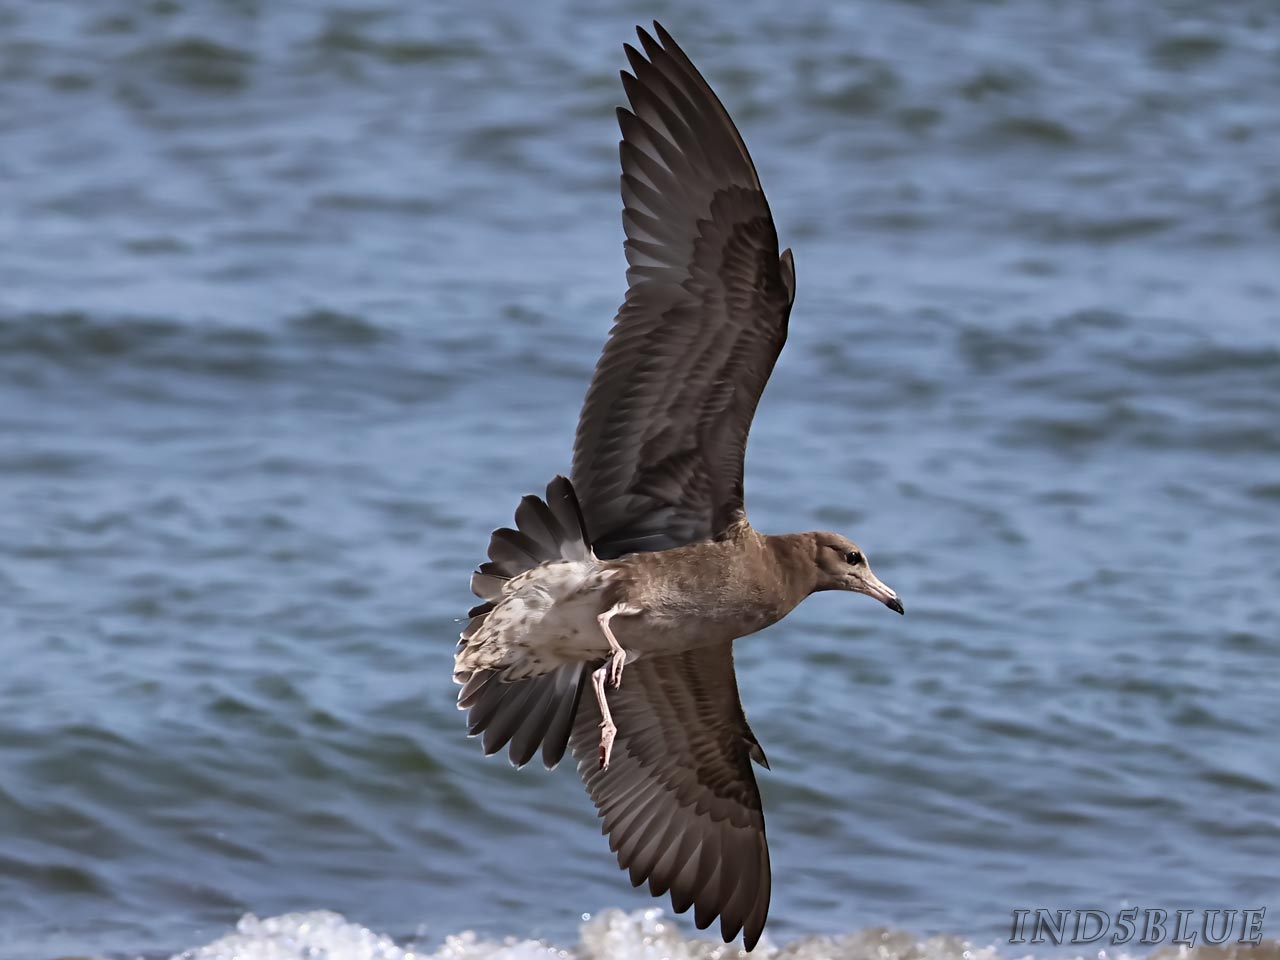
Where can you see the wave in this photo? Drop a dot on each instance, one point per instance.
(166, 359)
(616, 935)
(71, 334)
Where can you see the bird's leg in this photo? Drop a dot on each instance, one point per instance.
(607, 729)
(611, 673)
(619, 658)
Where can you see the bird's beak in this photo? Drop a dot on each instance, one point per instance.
(877, 589)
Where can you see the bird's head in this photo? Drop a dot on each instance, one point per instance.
(841, 565)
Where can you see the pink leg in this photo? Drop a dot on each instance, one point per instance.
(607, 729)
(611, 672)
(619, 658)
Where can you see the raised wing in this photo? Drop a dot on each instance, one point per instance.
(657, 460)
(679, 799)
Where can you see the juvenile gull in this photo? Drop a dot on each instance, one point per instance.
(636, 577)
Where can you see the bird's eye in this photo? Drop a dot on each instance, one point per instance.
(853, 558)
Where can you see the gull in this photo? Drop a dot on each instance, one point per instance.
(634, 576)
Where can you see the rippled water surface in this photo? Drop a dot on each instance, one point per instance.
(296, 300)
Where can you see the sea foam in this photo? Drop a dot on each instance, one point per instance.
(611, 935)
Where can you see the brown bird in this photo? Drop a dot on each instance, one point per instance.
(636, 577)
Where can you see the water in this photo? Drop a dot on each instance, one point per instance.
(297, 300)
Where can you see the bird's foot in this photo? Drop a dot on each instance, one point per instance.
(607, 733)
(619, 658)
(616, 663)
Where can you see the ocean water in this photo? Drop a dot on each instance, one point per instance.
(296, 300)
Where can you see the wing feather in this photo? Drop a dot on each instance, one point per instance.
(679, 800)
(663, 432)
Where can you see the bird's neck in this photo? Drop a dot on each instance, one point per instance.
(791, 555)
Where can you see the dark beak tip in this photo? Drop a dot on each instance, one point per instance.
(895, 605)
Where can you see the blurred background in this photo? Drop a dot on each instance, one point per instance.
(297, 299)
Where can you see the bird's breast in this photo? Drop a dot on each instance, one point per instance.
(673, 620)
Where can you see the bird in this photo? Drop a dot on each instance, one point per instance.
(633, 576)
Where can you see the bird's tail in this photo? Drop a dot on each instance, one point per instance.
(537, 711)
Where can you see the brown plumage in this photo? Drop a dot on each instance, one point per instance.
(645, 564)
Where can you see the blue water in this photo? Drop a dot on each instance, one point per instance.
(297, 300)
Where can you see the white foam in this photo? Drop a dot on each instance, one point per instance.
(611, 935)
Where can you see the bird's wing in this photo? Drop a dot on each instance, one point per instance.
(658, 454)
(679, 799)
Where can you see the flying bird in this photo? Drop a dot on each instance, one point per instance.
(609, 612)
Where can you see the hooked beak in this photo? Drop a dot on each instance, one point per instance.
(877, 589)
